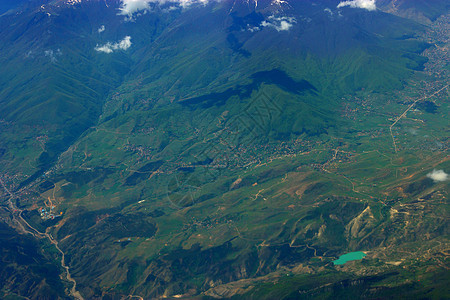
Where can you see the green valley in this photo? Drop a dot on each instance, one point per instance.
(225, 149)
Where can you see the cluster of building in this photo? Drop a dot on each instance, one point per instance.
(49, 214)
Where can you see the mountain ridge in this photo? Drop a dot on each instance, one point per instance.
(258, 140)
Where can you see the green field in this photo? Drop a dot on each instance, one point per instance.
(213, 161)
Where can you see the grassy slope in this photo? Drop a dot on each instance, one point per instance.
(246, 221)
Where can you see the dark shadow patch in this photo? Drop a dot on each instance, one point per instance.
(275, 76)
(80, 178)
(427, 106)
(187, 169)
(157, 213)
(236, 46)
(419, 186)
(45, 186)
(284, 81)
(143, 173)
(318, 188)
(253, 19)
(415, 62)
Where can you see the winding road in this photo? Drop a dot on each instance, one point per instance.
(22, 224)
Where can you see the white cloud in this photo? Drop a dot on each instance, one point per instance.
(279, 23)
(53, 54)
(125, 43)
(438, 175)
(105, 48)
(129, 7)
(101, 29)
(365, 4)
(111, 47)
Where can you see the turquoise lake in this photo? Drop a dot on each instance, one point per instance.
(349, 257)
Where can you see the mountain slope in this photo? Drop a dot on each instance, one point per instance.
(211, 149)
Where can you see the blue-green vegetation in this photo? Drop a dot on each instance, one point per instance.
(234, 150)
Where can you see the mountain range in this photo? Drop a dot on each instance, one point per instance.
(224, 149)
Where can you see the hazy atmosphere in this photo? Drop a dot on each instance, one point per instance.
(224, 149)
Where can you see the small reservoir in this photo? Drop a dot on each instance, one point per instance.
(349, 257)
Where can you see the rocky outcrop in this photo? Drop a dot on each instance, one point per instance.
(360, 225)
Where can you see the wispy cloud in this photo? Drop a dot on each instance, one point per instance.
(101, 29)
(53, 54)
(279, 23)
(365, 4)
(438, 175)
(111, 47)
(129, 7)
